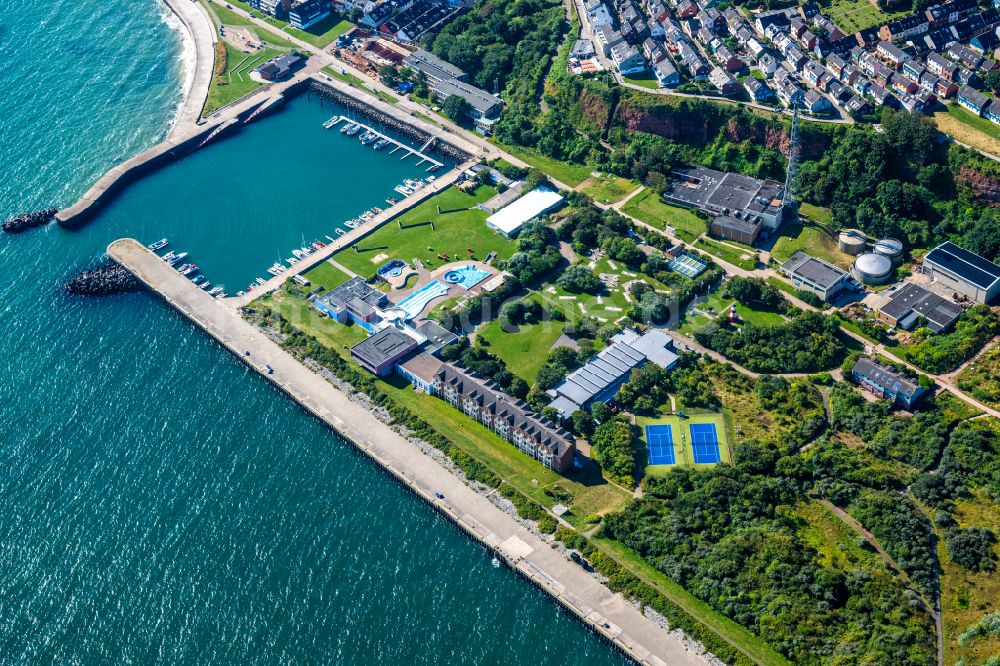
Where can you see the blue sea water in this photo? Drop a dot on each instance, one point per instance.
(158, 502)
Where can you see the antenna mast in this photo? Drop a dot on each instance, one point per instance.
(790, 200)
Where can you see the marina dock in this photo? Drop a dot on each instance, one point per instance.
(397, 145)
(604, 612)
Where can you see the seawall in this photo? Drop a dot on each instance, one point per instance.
(604, 612)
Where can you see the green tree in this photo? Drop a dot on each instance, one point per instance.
(455, 107)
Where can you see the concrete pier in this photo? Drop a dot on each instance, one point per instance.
(606, 613)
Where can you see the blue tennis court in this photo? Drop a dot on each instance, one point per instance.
(660, 442)
(705, 443)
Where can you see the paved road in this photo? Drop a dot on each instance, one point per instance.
(605, 612)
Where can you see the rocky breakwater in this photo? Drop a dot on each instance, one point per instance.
(28, 220)
(103, 280)
(359, 108)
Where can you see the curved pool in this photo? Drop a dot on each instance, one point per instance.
(466, 276)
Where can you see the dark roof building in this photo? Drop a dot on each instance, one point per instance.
(737, 227)
(912, 302)
(820, 277)
(886, 383)
(963, 271)
(381, 352)
(724, 193)
(354, 299)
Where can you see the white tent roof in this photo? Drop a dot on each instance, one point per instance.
(510, 218)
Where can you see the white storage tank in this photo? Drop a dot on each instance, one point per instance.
(852, 241)
(874, 269)
(891, 248)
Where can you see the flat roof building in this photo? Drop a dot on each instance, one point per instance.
(602, 376)
(509, 219)
(911, 302)
(383, 350)
(739, 228)
(816, 275)
(724, 193)
(965, 272)
(355, 300)
(886, 382)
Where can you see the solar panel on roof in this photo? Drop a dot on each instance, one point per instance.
(951, 261)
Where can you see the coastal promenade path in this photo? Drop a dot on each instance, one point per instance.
(196, 22)
(606, 613)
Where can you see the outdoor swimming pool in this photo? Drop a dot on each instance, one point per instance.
(466, 276)
(418, 300)
(393, 268)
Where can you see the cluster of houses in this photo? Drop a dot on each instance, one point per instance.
(802, 58)
(404, 20)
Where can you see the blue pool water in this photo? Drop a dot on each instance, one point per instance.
(418, 300)
(466, 276)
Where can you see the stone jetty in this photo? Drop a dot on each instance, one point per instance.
(106, 279)
(26, 221)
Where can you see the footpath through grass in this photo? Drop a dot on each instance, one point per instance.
(235, 81)
(745, 259)
(564, 172)
(609, 189)
(647, 207)
(969, 128)
(457, 227)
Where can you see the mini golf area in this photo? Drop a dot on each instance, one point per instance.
(692, 441)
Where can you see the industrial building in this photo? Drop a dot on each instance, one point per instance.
(912, 302)
(602, 376)
(886, 383)
(508, 417)
(509, 219)
(816, 275)
(723, 193)
(965, 272)
(737, 227)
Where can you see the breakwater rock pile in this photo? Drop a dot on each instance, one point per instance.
(28, 220)
(103, 280)
(359, 108)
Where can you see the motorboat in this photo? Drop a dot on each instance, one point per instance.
(205, 285)
(190, 269)
(158, 245)
(391, 201)
(178, 258)
(198, 279)
(347, 128)
(169, 255)
(215, 291)
(404, 190)
(380, 144)
(292, 261)
(299, 254)
(341, 232)
(352, 130)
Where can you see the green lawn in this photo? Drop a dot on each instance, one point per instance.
(584, 491)
(228, 17)
(986, 126)
(811, 239)
(308, 319)
(715, 305)
(457, 227)
(326, 275)
(319, 35)
(235, 82)
(610, 189)
(564, 172)
(609, 305)
(524, 351)
(323, 33)
(855, 15)
(816, 213)
(727, 253)
(648, 207)
(645, 79)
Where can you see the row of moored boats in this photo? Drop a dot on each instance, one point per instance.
(369, 137)
(188, 269)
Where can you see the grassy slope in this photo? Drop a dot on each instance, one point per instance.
(610, 189)
(982, 378)
(570, 174)
(727, 253)
(452, 234)
(236, 77)
(967, 596)
(813, 240)
(648, 208)
(969, 128)
(327, 275)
